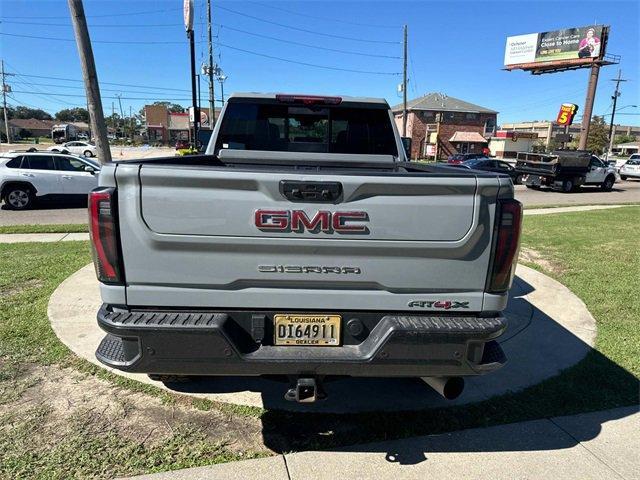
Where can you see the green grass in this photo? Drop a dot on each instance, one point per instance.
(95, 450)
(54, 228)
(597, 258)
(87, 448)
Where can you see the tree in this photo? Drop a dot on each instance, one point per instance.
(26, 112)
(618, 139)
(77, 114)
(598, 139)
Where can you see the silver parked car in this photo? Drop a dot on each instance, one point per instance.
(631, 169)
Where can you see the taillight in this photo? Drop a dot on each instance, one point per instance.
(104, 237)
(506, 245)
(308, 99)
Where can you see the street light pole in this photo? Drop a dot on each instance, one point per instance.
(212, 113)
(404, 82)
(188, 24)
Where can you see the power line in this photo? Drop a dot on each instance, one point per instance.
(119, 42)
(97, 25)
(102, 89)
(41, 94)
(326, 67)
(103, 96)
(324, 18)
(20, 103)
(103, 83)
(313, 32)
(291, 42)
(103, 15)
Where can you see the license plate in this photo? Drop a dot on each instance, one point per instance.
(307, 330)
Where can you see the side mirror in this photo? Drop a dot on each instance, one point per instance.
(90, 169)
(406, 142)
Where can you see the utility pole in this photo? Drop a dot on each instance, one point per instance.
(90, 77)
(89, 122)
(5, 87)
(130, 124)
(121, 112)
(616, 94)
(404, 83)
(212, 105)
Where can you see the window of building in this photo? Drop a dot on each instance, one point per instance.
(472, 116)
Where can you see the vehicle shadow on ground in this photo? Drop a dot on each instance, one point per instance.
(57, 204)
(363, 410)
(535, 435)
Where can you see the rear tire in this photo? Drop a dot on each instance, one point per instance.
(623, 177)
(607, 185)
(518, 180)
(568, 186)
(88, 154)
(19, 197)
(534, 187)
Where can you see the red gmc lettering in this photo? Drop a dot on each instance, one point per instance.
(272, 219)
(322, 221)
(341, 218)
(300, 221)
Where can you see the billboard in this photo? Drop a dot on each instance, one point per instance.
(571, 45)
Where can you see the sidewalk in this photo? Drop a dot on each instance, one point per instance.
(598, 445)
(42, 237)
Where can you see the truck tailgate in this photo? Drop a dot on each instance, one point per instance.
(190, 239)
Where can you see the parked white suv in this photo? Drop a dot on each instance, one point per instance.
(79, 148)
(631, 168)
(25, 176)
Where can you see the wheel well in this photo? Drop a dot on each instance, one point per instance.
(7, 185)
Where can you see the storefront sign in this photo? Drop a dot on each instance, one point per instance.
(566, 114)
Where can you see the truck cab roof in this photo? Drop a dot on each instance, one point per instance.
(344, 99)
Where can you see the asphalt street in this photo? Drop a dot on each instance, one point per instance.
(623, 192)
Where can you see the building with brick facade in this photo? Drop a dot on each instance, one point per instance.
(440, 126)
(163, 126)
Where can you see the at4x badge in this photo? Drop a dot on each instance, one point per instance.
(440, 304)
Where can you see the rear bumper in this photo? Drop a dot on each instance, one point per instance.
(215, 343)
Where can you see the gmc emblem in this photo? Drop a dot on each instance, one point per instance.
(322, 221)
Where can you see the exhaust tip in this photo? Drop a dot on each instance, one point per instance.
(449, 387)
(453, 388)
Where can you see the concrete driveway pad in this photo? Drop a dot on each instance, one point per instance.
(549, 330)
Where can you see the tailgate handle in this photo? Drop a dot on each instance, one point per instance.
(319, 192)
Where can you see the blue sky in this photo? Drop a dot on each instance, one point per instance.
(455, 47)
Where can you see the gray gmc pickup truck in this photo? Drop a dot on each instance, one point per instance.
(303, 245)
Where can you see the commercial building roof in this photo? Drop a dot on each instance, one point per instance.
(441, 102)
(31, 123)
